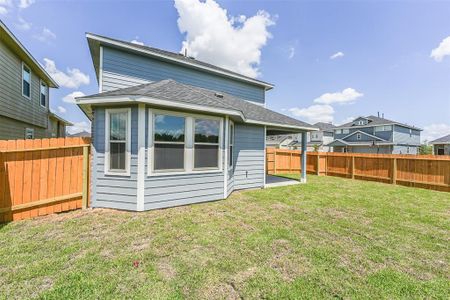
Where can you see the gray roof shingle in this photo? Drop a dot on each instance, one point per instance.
(170, 89)
(374, 121)
(442, 140)
(325, 126)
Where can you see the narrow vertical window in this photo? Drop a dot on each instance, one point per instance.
(358, 136)
(118, 140)
(169, 142)
(231, 144)
(26, 81)
(206, 143)
(44, 91)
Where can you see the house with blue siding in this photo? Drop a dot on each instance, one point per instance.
(374, 134)
(170, 130)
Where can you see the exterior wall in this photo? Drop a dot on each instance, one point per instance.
(111, 190)
(12, 103)
(386, 135)
(11, 129)
(405, 150)
(364, 149)
(122, 69)
(402, 136)
(446, 148)
(248, 151)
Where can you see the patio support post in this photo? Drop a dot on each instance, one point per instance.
(303, 158)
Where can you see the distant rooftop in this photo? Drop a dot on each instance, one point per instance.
(374, 121)
(442, 140)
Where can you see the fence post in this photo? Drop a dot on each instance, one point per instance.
(353, 167)
(84, 200)
(318, 164)
(394, 171)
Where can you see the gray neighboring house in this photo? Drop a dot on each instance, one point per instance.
(441, 146)
(24, 93)
(170, 130)
(376, 135)
(317, 140)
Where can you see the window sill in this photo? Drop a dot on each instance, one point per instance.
(118, 174)
(194, 172)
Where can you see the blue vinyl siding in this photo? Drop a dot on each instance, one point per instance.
(248, 171)
(402, 136)
(112, 191)
(122, 69)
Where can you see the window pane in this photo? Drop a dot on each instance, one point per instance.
(231, 135)
(169, 128)
(118, 126)
(26, 76)
(230, 154)
(206, 156)
(207, 131)
(117, 157)
(169, 157)
(43, 94)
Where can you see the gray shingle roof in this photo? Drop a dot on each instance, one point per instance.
(172, 90)
(181, 58)
(325, 126)
(374, 121)
(442, 140)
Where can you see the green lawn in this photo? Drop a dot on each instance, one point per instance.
(330, 238)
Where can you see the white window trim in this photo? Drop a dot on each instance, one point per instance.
(188, 152)
(358, 136)
(40, 94)
(126, 172)
(219, 152)
(21, 76)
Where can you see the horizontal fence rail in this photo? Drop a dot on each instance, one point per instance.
(424, 171)
(43, 176)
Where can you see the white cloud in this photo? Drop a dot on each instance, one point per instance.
(25, 3)
(434, 131)
(45, 35)
(230, 42)
(291, 52)
(346, 96)
(135, 41)
(72, 79)
(79, 127)
(442, 50)
(22, 24)
(346, 120)
(314, 113)
(5, 5)
(62, 110)
(337, 55)
(70, 98)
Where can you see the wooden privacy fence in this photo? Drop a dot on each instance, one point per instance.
(43, 176)
(431, 172)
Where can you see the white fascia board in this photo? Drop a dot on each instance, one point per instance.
(362, 132)
(165, 57)
(301, 128)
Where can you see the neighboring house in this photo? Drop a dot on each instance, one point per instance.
(317, 140)
(169, 130)
(376, 135)
(441, 146)
(81, 134)
(57, 126)
(280, 141)
(24, 93)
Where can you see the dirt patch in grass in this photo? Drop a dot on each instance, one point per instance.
(165, 269)
(287, 263)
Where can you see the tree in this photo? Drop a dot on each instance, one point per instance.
(425, 149)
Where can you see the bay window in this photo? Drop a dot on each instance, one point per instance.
(169, 142)
(118, 131)
(206, 143)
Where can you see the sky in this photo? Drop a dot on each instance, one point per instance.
(330, 61)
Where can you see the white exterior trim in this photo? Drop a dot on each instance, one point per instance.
(141, 158)
(365, 133)
(165, 57)
(265, 158)
(40, 94)
(225, 157)
(127, 142)
(100, 71)
(182, 105)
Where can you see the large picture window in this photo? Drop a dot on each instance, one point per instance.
(26, 81)
(206, 143)
(118, 140)
(169, 142)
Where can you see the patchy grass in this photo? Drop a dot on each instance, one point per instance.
(330, 238)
